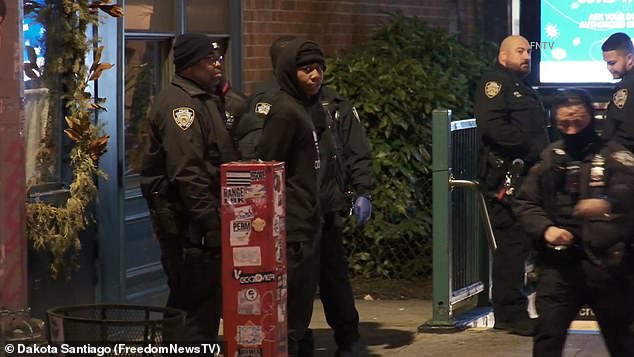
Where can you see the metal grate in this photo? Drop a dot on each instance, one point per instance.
(132, 324)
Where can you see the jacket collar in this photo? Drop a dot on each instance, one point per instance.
(189, 86)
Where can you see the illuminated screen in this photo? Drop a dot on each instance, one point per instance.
(33, 37)
(572, 32)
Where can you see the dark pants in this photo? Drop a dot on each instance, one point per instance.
(513, 247)
(565, 284)
(193, 278)
(335, 290)
(302, 264)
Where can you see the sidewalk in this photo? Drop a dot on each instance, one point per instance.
(390, 328)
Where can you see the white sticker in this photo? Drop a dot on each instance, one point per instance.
(256, 191)
(278, 193)
(279, 251)
(249, 302)
(247, 257)
(276, 226)
(234, 195)
(250, 335)
(240, 232)
(244, 212)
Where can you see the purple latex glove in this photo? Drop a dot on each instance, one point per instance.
(362, 210)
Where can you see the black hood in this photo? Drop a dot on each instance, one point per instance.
(286, 69)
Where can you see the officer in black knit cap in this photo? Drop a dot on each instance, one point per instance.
(187, 143)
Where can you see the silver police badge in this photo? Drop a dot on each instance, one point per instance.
(619, 98)
(624, 158)
(262, 108)
(491, 89)
(184, 117)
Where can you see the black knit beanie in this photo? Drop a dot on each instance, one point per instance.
(309, 53)
(190, 48)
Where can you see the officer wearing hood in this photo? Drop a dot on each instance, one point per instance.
(187, 142)
(576, 203)
(289, 135)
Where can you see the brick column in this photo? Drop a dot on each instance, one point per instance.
(13, 291)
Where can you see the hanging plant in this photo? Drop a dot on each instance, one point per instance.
(56, 228)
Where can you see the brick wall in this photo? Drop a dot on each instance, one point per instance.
(334, 24)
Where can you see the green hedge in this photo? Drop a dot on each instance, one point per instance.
(395, 80)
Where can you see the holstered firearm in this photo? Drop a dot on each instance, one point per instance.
(165, 219)
(511, 180)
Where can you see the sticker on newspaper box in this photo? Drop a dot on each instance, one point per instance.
(247, 257)
(257, 175)
(240, 232)
(279, 250)
(234, 195)
(238, 178)
(250, 335)
(244, 212)
(253, 278)
(256, 191)
(276, 226)
(250, 352)
(259, 224)
(278, 197)
(249, 302)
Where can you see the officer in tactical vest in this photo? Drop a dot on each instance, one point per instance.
(577, 205)
(511, 125)
(187, 143)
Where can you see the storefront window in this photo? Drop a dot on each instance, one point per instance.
(150, 15)
(144, 79)
(208, 16)
(41, 131)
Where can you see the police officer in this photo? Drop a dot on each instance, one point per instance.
(289, 135)
(248, 130)
(576, 203)
(618, 53)
(187, 143)
(511, 126)
(354, 172)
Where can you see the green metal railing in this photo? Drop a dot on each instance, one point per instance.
(462, 235)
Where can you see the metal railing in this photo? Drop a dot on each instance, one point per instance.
(462, 234)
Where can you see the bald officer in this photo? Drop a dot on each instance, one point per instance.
(511, 126)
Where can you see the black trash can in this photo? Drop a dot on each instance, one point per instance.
(134, 325)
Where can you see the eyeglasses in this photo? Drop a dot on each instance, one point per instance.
(214, 59)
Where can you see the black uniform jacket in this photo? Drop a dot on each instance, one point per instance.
(510, 116)
(606, 170)
(289, 135)
(619, 120)
(353, 145)
(187, 144)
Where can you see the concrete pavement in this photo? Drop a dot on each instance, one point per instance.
(390, 328)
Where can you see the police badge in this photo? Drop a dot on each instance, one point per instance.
(624, 158)
(491, 89)
(183, 116)
(262, 108)
(619, 98)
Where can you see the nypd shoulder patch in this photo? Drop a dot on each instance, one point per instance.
(619, 98)
(262, 108)
(492, 88)
(184, 117)
(623, 157)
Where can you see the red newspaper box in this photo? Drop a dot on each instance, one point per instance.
(253, 209)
